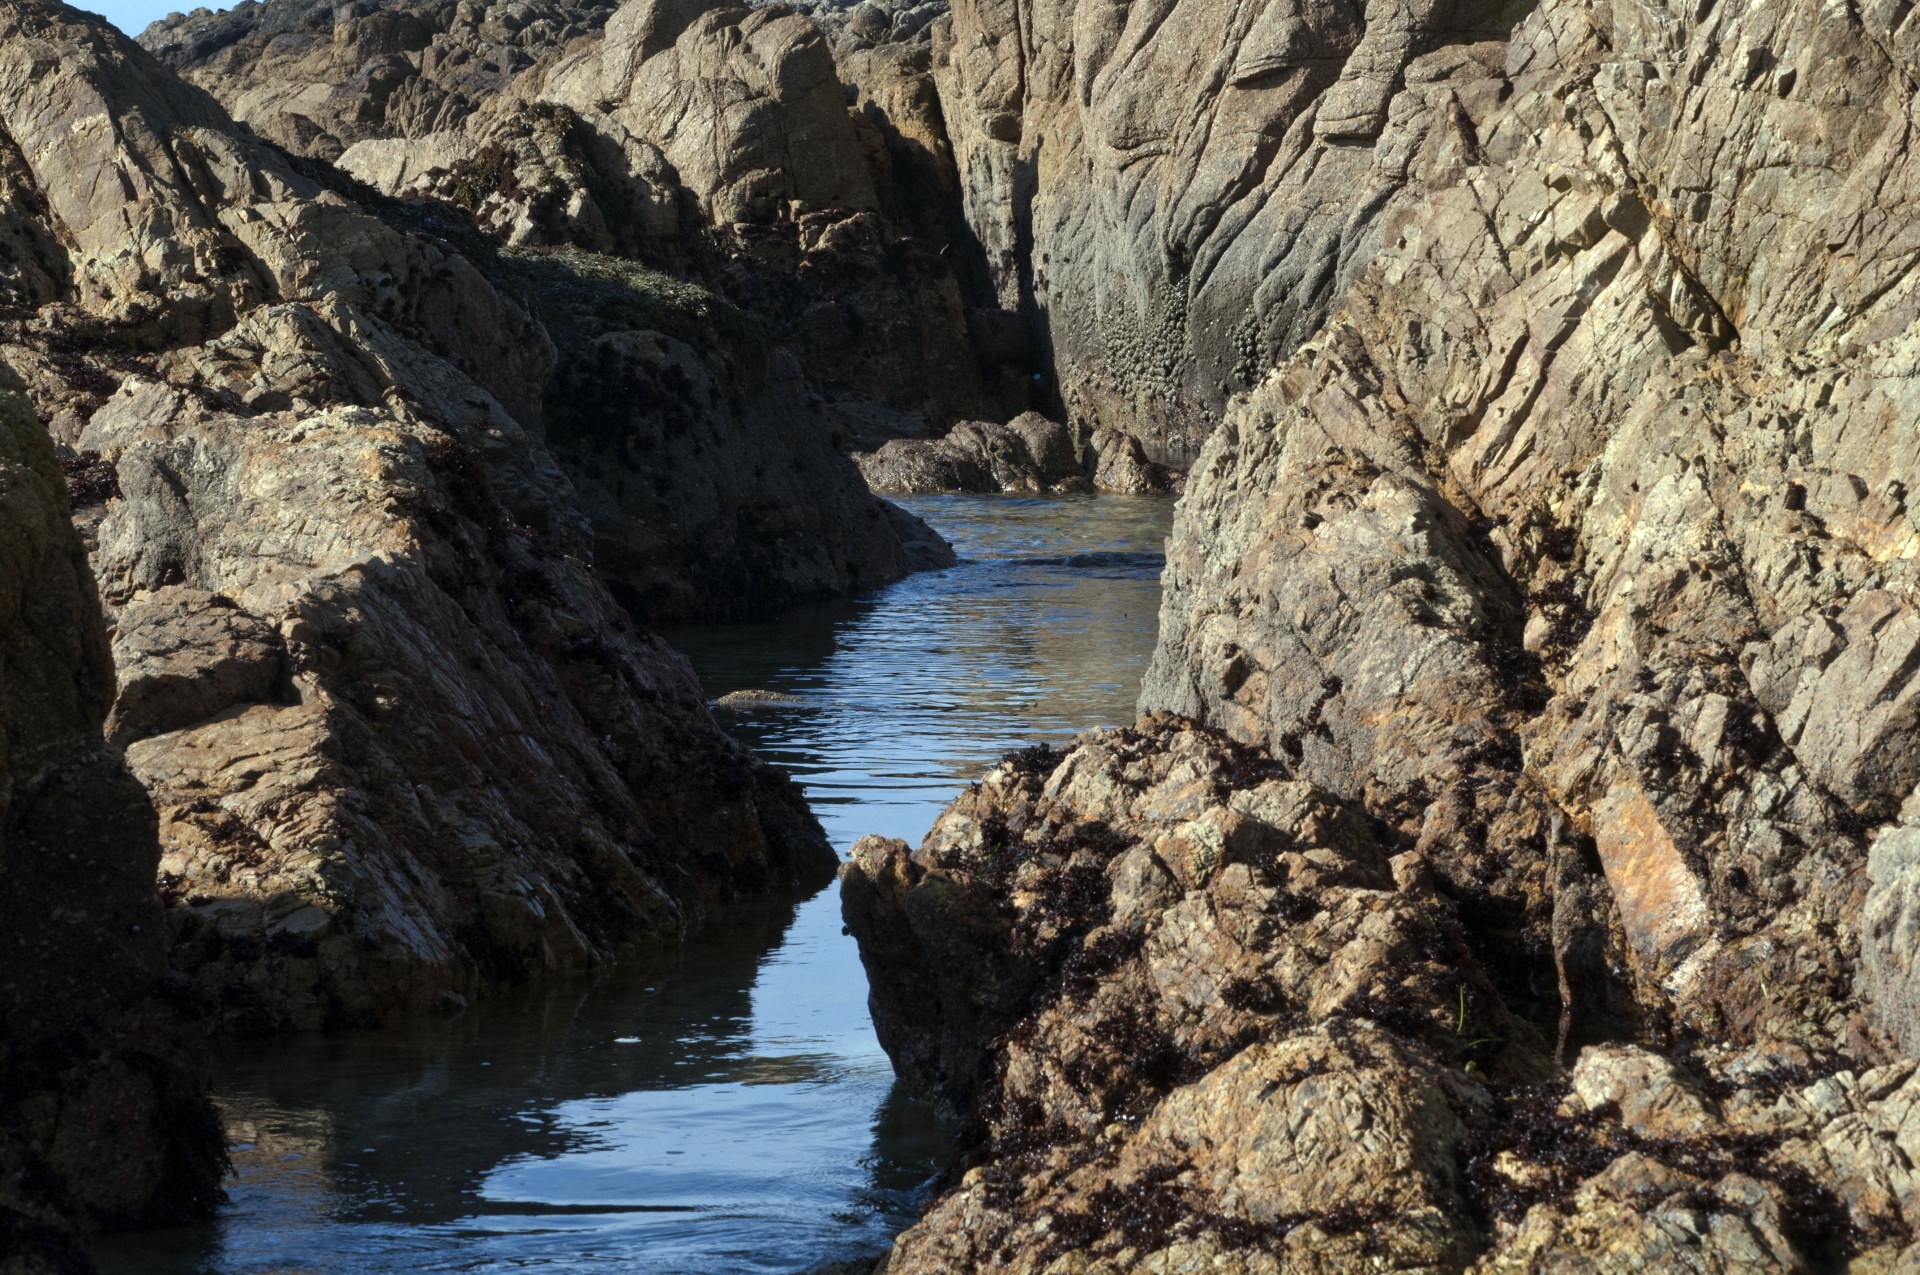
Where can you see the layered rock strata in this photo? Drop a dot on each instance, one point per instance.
(104, 1118)
(404, 743)
(714, 139)
(1568, 561)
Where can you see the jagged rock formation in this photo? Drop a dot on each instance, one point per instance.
(1206, 1018)
(104, 1119)
(1568, 558)
(643, 132)
(1526, 512)
(317, 77)
(403, 741)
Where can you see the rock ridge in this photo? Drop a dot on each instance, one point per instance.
(404, 742)
(1559, 554)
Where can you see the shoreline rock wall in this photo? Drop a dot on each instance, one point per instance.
(1566, 567)
(404, 743)
(1180, 195)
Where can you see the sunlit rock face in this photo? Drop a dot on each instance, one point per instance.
(104, 1120)
(1591, 495)
(1566, 558)
(799, 165)
(404, 742)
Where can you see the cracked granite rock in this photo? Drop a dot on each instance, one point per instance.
(1564, 547)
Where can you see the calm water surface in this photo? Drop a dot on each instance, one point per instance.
(724, 1108)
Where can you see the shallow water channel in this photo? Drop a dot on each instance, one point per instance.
(723, 1108)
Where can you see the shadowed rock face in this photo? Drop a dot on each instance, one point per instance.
(1182, 193)
(104, 1120)
(403, 742)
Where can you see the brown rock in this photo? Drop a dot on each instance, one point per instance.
(184, 655)
(1027, 454)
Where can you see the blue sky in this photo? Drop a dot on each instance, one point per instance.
(132, 16)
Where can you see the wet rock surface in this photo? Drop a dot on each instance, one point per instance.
(104, 1117)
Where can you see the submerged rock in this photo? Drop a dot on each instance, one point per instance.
(756, 698)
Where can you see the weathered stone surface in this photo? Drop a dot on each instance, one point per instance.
(104, 1119)
(1121, 465)
(437, 660)
(1185, 198)
(182, 655)
(1205, 1022)
(1890, 933)
(1656, 563)
(317, 77)
(1566, 550)
(839, 227)
(707, 464)
(402, 739)
(1027, 454)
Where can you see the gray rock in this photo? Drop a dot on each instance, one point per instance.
(1890, 934)
(1027, 454)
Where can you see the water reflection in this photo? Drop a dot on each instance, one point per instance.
(724, 1109)
(1043, 630)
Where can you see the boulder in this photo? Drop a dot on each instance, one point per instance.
(1027, 454)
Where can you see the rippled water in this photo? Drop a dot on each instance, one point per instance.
(723, 1108)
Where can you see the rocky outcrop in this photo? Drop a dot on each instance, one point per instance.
(1205, 1018)
(317, 77)
(1642, 565)
(839, 228)
(104, 1119)
(404, 743)
(1567, 562)
(1027, 454)
(342, 763)
(707, 463)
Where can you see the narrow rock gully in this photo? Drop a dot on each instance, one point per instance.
(725, 1108)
